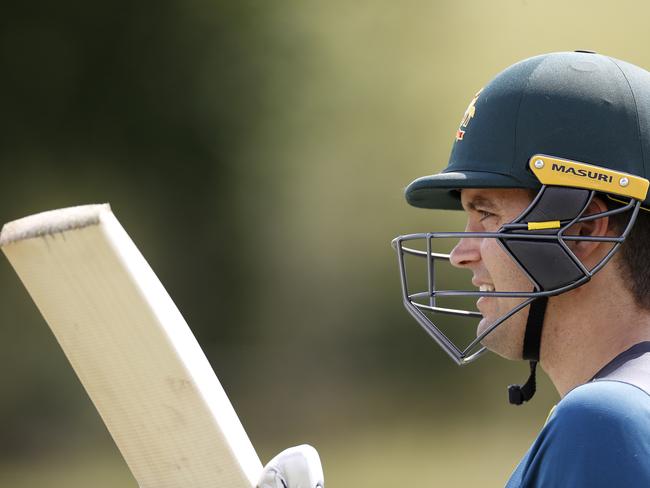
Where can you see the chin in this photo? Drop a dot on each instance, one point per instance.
(482, 325)
(500, 340)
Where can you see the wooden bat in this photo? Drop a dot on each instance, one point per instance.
(132, 350)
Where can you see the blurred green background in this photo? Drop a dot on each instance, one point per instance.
(257, 152)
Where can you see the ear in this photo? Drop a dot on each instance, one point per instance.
(592, 252)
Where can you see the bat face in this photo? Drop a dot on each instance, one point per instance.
(132, 350)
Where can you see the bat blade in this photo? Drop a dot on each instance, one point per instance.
(132, 350)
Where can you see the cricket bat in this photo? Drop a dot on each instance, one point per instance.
(132, 350)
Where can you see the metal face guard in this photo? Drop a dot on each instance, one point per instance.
(536, 240)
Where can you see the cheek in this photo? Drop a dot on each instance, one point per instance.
(494, 256)
(505, 273)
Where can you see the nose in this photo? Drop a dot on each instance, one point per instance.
(466, 252)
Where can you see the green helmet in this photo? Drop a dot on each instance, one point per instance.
(570, 125)
(579, 106)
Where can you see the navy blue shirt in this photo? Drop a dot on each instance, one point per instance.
(597, 436)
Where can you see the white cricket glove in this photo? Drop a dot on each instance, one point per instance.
(296, 467)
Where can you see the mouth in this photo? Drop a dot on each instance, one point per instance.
(481, 302)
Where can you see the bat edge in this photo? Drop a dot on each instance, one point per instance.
(52, 222)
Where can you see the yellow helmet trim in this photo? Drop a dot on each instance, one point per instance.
(563, 172)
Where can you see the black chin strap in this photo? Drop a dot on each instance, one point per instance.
(518, 394)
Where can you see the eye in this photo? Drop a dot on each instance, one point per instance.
(484, 215)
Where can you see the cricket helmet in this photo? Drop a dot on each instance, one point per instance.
(569, 125)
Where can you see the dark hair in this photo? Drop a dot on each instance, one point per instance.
(634, 256)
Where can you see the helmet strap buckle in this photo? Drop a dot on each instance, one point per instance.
(518, 394)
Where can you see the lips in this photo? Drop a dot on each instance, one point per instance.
(480, 303)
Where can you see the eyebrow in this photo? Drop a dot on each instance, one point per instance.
(479, 203)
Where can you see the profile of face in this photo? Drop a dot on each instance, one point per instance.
(492, 268)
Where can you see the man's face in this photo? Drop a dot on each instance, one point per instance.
(493, 270)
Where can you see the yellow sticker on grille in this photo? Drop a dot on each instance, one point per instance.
(549, 224)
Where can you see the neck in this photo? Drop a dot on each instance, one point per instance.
(588, 327)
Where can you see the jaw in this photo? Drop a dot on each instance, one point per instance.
(507, 338)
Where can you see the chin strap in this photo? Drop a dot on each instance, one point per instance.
(518, 394)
